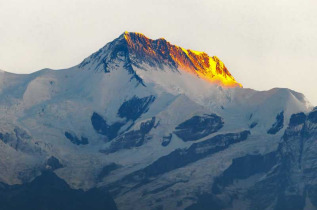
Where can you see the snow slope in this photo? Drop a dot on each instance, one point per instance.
(116, 113)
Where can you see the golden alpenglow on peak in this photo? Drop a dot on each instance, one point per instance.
(201, 64)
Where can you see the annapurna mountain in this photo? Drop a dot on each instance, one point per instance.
(145, 124)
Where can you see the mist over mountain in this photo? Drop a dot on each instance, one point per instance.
(145, 124)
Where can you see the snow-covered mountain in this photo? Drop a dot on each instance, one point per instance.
(159, 127)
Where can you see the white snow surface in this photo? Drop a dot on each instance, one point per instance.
(47, 103)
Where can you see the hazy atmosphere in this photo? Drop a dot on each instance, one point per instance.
(264, 44)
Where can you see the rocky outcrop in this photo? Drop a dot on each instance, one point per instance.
(278, 124)
(75, 140)
(283, 179)
(182, 157)
(198, 127)
(101, 126)
(160, 52)
(134, 138)
(53, 163)
(133, 108)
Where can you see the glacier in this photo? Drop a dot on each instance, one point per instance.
(142, 120)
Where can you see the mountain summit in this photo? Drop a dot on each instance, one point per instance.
(139, 49)
(158, 127)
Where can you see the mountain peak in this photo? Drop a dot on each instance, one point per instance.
(199, 63)
(138, 49)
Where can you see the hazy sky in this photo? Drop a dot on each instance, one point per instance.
(264, 43)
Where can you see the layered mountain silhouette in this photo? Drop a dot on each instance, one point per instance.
(153, 126)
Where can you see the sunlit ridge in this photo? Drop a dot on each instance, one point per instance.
(199, 63)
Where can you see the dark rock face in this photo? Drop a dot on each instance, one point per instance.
(75, 140)
(297, 119)
(134, 138)
(282, 179)
(298, 154)
(129, 68)
(243, 168)
(135, 107)
(161, 53)
(103, 58)
(253, 125)
(198, 127)
(182, 157)
(312, 117)
(100, 125)
(224, 189)
(292, 181)
(130, 110)
(158, 46)
(53, 163)
(49, 192)
(166, 140)
(278, 125)
(106, 170)
(19, 140)
(147, 126)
